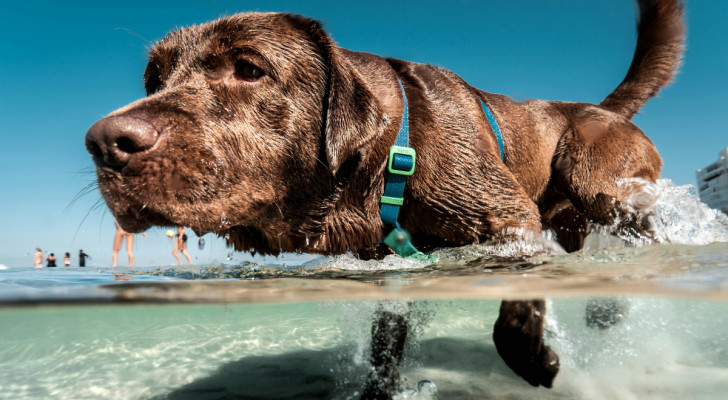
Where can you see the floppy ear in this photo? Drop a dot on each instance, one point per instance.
(351, 113)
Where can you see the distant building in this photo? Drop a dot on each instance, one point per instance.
(713, 183)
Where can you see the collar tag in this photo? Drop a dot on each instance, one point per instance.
(401, 243)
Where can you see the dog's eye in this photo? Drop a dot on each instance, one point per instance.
(248, 72)
(152, 81)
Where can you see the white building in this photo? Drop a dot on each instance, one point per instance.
(713, 183)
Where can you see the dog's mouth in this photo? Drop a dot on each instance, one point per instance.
(140, 201)
(142, 219)
(133, 213)
(136, 216)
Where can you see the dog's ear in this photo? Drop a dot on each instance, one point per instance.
(351, 113)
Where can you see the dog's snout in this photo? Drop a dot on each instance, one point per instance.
(113, 141)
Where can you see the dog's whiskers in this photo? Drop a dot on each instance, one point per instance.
(136, 34)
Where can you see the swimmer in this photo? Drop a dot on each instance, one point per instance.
(67, 259)
(51, 260)
(180, 246)
(82, 258)
(38, 258)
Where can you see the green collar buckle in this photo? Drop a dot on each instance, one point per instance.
(405, 163)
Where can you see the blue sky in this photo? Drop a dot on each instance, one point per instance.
(63, 65)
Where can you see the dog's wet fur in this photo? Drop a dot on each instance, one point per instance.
(259, 128)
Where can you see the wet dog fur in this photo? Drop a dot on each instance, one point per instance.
(259, 128)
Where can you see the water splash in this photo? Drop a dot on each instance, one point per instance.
(528, 244)
(678, 217)
(683, 219)
(664, 346)
(350, 262)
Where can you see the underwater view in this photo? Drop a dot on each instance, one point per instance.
(278, 199)
(303, 331)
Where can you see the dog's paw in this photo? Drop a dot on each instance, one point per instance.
(518, 337)
(636, 227)
(548, 368)
(634, 212)
(538, 369)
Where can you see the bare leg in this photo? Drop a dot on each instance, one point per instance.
(130, 248)
(189, 259)
(176, 249)
(184, 251)
(117, 245)
(174, 253)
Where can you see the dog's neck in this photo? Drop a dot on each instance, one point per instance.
(352, 222)
(342, 215)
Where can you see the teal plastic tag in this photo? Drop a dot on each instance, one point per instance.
(401, 242)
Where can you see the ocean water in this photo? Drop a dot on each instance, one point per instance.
(279, 331)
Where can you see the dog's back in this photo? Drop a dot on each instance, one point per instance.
(567, 158)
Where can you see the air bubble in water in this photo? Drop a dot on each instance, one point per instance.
(426, 390)
(426, 387)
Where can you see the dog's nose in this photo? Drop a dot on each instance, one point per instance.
(113, 141)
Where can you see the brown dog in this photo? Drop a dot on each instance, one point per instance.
(259, 128)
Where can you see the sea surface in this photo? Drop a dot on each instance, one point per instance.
(282, 331)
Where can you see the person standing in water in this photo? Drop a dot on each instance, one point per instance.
(120, 235)
(38, 258)
(180, 245)
(82, 258)
(67, 260)
(51, 260)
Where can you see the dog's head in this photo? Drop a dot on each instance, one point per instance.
(243, 117)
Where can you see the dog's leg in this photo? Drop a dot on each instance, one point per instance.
(518, 337)
(518, 331)
(569, 225)
(389, 334)
(593, 167)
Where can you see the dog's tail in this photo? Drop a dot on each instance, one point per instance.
(660, 38)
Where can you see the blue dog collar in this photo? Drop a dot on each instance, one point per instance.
(400, 165)
(493, 124)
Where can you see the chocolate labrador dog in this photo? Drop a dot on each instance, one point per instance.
(259, 128)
